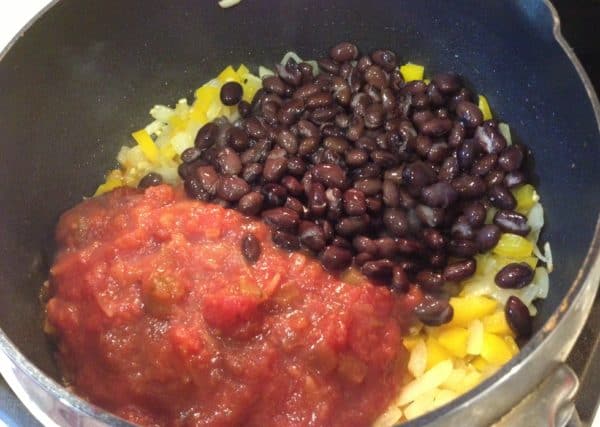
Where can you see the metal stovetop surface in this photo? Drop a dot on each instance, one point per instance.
(579, 18)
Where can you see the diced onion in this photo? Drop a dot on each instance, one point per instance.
(228, 3)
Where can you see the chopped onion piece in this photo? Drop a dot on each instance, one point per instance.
(228, 3)
(505, 131)
(264, 72)
(292, 55)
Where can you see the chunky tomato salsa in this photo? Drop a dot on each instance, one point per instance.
(160, 317)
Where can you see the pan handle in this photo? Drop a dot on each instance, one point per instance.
(549, 405)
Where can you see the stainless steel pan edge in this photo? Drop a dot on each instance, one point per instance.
(53, 405)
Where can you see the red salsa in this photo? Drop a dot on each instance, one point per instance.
(160, 319)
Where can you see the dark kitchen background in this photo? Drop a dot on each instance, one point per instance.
(580, 21)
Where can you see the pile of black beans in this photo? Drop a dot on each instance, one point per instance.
(357, 166)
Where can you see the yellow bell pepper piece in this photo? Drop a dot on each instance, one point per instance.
(411, 72)
(496, 324)
(513, 246)
(469, 308)
(484, 106)
(411, 341)
(470, 380)
(480, 364)
(110, 184)
(168, 152)
(197, 114)
(512, 344)
(228, 75)
(251, 84)
(242, 71)
(205, 96)
(495, 350)
(147, 145)
(526, 197)
(435, 352)
(455, 341)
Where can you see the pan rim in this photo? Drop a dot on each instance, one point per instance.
(588, 276)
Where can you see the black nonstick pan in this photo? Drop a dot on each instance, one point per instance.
(83, 75)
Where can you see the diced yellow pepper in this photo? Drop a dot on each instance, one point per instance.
(480, 364)
(513, 246)
(427, 81)
(435, 352)
(147, 145)
(242, 71)
(214, 110)
(454, 340)
(502, 261)
(470, 380)
(512, 344)
(495, 350)
(205, 96)
(411, 72)
(197, 114)
(110, 184)
(251, 84)
(496, 324)
(484, 106)
(469, 308)
(411, 341)
(178, 123)
(228, 75)
(526, 198)
(168, 152)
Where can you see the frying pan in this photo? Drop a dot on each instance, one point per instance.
(85, 73)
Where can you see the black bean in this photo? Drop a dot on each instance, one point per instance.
(228, 162)
(462, 248)
(460, 270)
(400, 281)
(430, 280)
(312, 236)
(456, 135)
(295, 205)
(317, 201)
(501, 197)
(335, 258)
(395, 221)
(275, 84)
(251, 203)
(490, 139)
(417, 175)
(334, 198)
(385, 159)
(495, 177)
(287, 140)
(436, 126)
(438, 153)
(388, 100)
(206, 136)
(391, 193)
(374, 204)
(194, 189)
(449, 169)
(344, 52)
(330, 175)
(361, 258)
(432, 217)
(231, 93)
(512, 222)
(274, 169)
(254, 128)
(518, 317)
(352, 225)
(434, 238)
(354, 202)
(461, 229)
(439, 195)
(363, 63)
(289, 73)
(447, 83)
(237, 139)
(323, 114)
(150, 180)
(374, 116)
(484, 165)
(513, 179)
(487, 237)
(190, 155)
(342, 242)
(510, 158)
(515, 275)
(469, 186)
(475, 214)
(386, 59)
(337, 144)
(379, 270)
(364, 244)
(251, 248)
(285, 240)
(308, 129)
(438, 259)
(469, 114)
(318, 100)
(466, 154)
(369, 186)
(275, 194)
(208, 178)
(375, 76)
(356, 157)
(434, 311)
(252, 172)
(232, 188)
(244, 109)
(281, 219)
